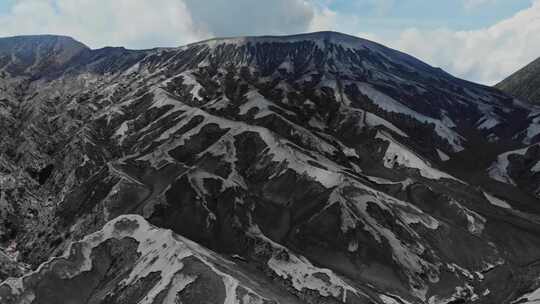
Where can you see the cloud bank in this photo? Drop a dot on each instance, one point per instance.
(151, 23)
(131, 23)
(486, 55)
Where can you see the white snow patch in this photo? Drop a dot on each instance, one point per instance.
(488, 123)
(316, 123)
(287, 65)
(497, 201)
(121, 132)
(388, 300)
(443, 156)
(533, 130)
(353, 245)
(397, 154)
(536, 168)
(530, 298)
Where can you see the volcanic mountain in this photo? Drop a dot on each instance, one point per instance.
(314, 168)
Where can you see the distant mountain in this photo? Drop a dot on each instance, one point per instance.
(314, 168)
(524, 84)
(36, 55)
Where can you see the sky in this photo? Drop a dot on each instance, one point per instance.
(478, 40)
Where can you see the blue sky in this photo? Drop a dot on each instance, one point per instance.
(456, 14)
(479, 40)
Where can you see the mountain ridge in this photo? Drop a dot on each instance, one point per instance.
(330, 36)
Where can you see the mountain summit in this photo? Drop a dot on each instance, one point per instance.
(314, 168)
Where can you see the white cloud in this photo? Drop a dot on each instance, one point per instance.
(131, 23)
(486, 55)
(151, 23)
(251, 17)
(323, 19)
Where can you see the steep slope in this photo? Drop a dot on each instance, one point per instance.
(329, 151)
(524, 84)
